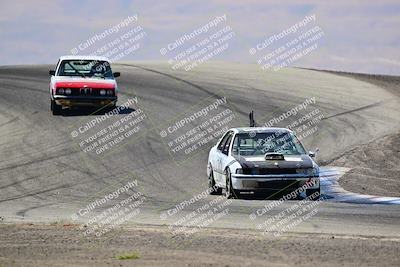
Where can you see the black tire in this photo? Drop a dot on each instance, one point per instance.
(211, 185)
(310, 194)
(229, 191)
(111, 106)
(56, 109)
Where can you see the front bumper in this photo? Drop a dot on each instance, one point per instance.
(70, 101)
(273, 182)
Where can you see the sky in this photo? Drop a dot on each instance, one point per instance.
(359, 36)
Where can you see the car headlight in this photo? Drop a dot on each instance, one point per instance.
(68, 91)
(109, 92)
(61, 91)
(102, 92)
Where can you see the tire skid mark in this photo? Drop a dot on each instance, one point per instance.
(36, 160)
(355, 110)
(209, 92)
(35, 192)
(13, 87)
(23, 212)
(9, 122)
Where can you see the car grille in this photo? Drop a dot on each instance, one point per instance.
(86, 92)
(265, 171)
(279, 184)
(283, 185)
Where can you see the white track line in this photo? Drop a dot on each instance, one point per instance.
(331, 189)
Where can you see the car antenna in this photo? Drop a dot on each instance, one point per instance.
(252, 121)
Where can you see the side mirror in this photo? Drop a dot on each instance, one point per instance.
(116, 74)
(313, 154)
(52, 72)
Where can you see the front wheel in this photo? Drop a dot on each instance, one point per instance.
(313, 194)
(56, 109)
(229, 191)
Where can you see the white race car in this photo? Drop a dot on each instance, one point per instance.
(258, 159)
(82, 81)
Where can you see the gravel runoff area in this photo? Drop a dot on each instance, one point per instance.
(63, 245)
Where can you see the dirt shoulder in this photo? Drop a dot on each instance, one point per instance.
(63, 245)
(375, 167)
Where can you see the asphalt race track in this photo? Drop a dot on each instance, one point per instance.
(46, 177)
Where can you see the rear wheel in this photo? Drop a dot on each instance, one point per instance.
(313, 194)
(214, 190)
(56, 109)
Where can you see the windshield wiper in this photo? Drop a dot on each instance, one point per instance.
(83, 75)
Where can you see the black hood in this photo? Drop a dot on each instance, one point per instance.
(289, 162)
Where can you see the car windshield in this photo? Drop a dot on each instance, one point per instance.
(85, 68)
(254, 143)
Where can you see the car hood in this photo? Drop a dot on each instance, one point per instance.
(289, 161)
(80, 82)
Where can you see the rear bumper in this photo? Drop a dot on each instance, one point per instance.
(273, 182)
(84, 100)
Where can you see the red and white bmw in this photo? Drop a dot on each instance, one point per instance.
(82, 81)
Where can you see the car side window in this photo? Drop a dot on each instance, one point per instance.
(227, 144)
(223, 140)
(235, 147)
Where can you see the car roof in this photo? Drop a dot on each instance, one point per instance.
(259, 129)
(72, 57)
